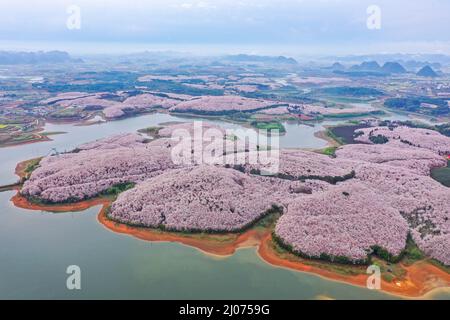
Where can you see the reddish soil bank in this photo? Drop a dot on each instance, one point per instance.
(220, 245)
(22, 202)
(421, 277)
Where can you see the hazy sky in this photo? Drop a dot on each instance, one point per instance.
(315, 26)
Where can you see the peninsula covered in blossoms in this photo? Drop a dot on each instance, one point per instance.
(366, 200)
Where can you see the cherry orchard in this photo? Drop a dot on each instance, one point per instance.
(368, 196)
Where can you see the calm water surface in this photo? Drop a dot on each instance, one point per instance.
(297, 136)
(38, 246)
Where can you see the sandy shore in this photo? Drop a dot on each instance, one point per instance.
(421, 278)
(22, 166)
(324, 136)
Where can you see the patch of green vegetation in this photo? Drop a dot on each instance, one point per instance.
(179, 88)
(3, 126)
(385, 255)
(330, 133)
(389, 271)
(440, 106)
(151, 131)
(336, 100)
(116, 189)
(345, 134)
(344, 269)
(239, 116)
(269, 126)
(24, 138)
(412, 253)
(52, 133)
(285, 93)
(329, 151)
(107, 81)
(389, 277)
(354, 115)
(350, 91)
(32, 165)
(378, 139)
(232, 115)
(388, 263)
(444, 129)
(442, 175)
(67, 113)
(232, 137)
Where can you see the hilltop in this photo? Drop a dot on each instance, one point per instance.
(427, 71)
(12, 57)
(393, 67)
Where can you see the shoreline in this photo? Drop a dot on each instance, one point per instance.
(414, 286)
(245, 124)
(220, 245)
(41, 138)
(186, 116)
(324, 136)
(21, 202)
(21, 168)
(421, 279)
(37, 133)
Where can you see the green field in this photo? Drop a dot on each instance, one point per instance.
(442, 175)
(345, 134)
(329, 151)
(269, 126)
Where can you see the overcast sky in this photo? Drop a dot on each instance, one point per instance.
(317, 26)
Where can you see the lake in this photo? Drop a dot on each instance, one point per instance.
(37, 247)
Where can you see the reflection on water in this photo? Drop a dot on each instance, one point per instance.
(41, 245)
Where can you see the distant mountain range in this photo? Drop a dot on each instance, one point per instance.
(416, 65)
(257, 58)
(409, 61)
(371, 68)
(393, 67)
(337, 66)
(11, 57)
(427, 71)
(367, 66)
